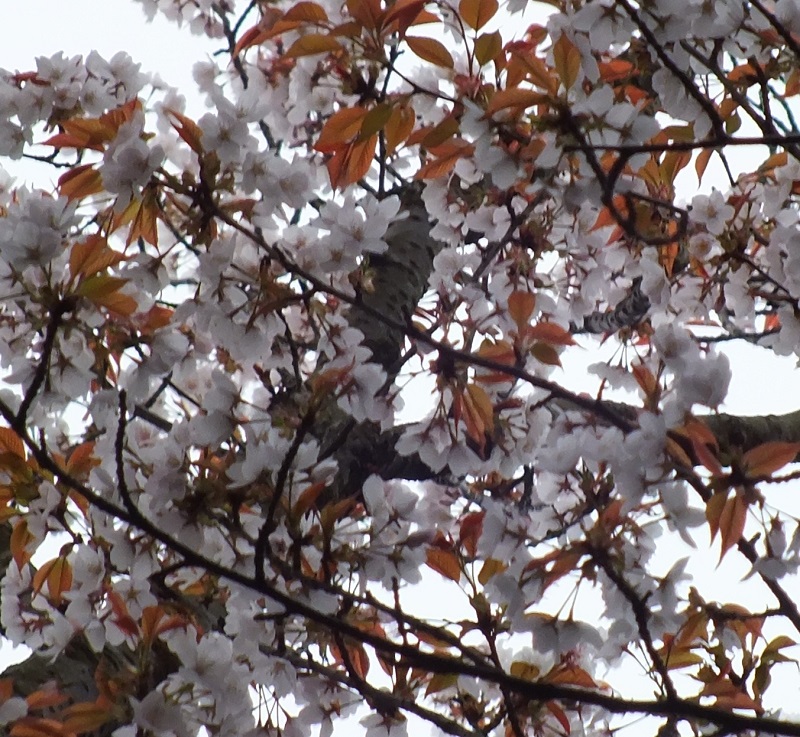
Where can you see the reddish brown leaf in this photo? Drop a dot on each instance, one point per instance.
(517, 98)
(306, 12)
(567, 60)
(399, 126)
(477, 13)
(81, 181)
(488, 47)
(444, 562)
(560, 716)
(765, 459)
(549, 332)
(367, 12)
(520, 307)
(91, 256)
(86, 717)
(313, 43)
(187, 129)
(340, 129)
(545, 353)
(20, 539)
(731, 522)
(470, 530)
(430, 50)
(402, 15)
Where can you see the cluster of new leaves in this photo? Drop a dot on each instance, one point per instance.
(215, 511)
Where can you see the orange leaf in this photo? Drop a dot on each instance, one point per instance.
(731, 522)
(701, 162)
(444, 562)
(403, 13)
(313, 43)
(6, 689)
(445, 163)
(145, 218)
(122, 617)
(477, 13)
(469, 531)
(645, 379)
(60, 579)
(482, 404)
(367, 12)
(91, 256)
(513, 98)
(550, 333)
(615, 70)
(520, 307)
(187, 129)
(765, 459)
(744, 74)
(251, 37)
(45, 698)
(11, 443)
(537, 71)
(38, 727)
(560, 716)
(79, 182)
(360, 160)
(20, 539)
(571, 675)
(500, 352)
(399, 126)
(86, 717)
(307, 12)
(567, 61)
(430, 50)
(564, 563)
(341, 128)
(308, 497)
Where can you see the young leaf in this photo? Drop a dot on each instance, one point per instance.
(488, 47)
(430, 50)
(567, 60)
(477, 13)
(731, 522)
(313, 43)
(444, 562)
(765, 459)
(520, 307)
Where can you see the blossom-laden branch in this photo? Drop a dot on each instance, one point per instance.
(241, 304)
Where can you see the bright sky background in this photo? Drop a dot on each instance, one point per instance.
(761, 383)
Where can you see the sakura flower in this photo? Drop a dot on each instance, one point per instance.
(34, 229)
(359, 394)
(384, 725)
(358, 230)
(226, 132)
(128, 163)
(712, 211)
(154, 712)
(13, 139)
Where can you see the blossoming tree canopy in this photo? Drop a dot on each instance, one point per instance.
(213, 513)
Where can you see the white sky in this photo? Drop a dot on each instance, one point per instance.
(761, 382)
